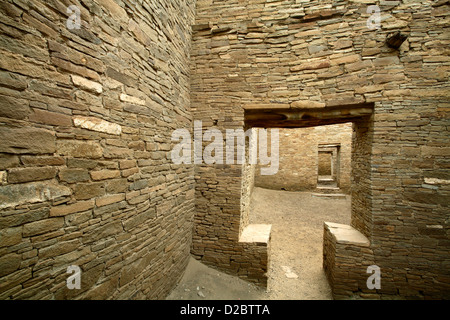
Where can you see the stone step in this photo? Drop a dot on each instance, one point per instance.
(328, 189)
(329, 195)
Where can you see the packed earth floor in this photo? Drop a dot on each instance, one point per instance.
(295, 265)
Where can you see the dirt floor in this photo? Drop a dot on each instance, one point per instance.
(295, 271)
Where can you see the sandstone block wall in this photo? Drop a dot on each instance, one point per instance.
(86, 179)
(299, 158)
(258, 54)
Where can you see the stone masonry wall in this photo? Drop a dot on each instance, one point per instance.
(86, 179)
(257, 54)
(299, 158)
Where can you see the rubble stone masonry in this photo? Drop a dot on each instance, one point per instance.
(86, 118)
(87, 114)
(299, 164)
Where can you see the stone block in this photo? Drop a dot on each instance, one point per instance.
(387, 78)
(256, 233)
(109, 199)
(58, 249)
(137, 145)
(81, 163)
(84, 191)
(86, 84)
(78, 218)
(73, 68)
(138, 185)
(139, 219)
(345, 234)
(120, 77)
(79, 149)
(116, 185)
(96, 124)
(17, 194)
(253, 106)
(104, 174)
(79, 206)
(132, 100)
(307, 104)
(13, 81)
(434, 151)
(346, 59)
(51, 118)
(342, 44)
(128, 172)
(27, 140)
(103, 232)
(114, 10)
(13, 108)
(9, 263)
(70, 175)
(10, 236)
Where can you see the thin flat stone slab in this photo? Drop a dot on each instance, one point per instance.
(256, 233)
(34, 192)
(255, 106)
(346, 234)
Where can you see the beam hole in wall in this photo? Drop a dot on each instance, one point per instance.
(329, 165)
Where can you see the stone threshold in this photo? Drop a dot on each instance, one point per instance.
(329, 195)
(256, 233)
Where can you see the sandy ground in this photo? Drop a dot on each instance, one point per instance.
(295, 271)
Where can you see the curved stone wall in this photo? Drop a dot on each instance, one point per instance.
(89, 97)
